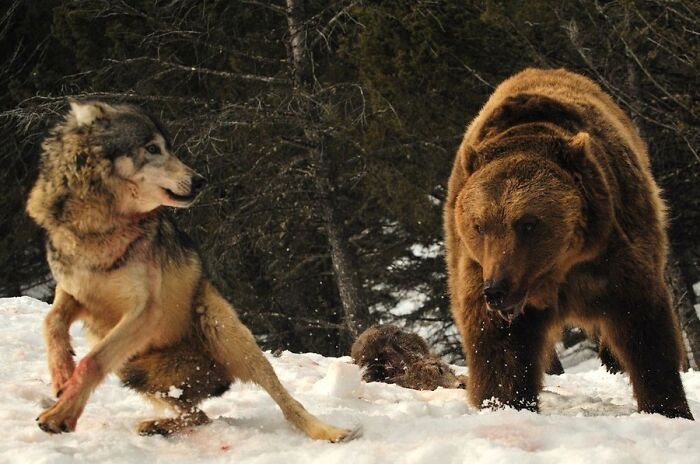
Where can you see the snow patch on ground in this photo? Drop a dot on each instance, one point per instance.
(587, 416)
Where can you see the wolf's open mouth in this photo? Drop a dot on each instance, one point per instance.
(179, 198)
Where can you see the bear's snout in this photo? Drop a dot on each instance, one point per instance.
(496, 293)
(501, 298)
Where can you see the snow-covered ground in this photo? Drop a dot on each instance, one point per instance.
(587, 416)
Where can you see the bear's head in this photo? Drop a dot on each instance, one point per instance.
(527, 217)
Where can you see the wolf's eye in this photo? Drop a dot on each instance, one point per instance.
(153, 149)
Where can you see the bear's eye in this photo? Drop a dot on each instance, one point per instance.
(527, 225)
(479, 230)
(153, 149)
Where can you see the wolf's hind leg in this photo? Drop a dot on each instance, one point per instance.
(234, 347)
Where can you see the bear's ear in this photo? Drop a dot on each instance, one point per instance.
(578, 159)
(85, 113)
(469, 159)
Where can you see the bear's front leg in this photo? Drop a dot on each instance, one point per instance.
(507, 362)
(644, 335)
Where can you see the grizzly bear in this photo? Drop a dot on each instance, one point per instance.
(553, 217)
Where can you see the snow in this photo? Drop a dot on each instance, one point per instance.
(587, 416)
(175, 392)
(409, 302)
(431, 251)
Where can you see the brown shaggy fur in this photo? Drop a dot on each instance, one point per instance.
(388, 354)
(553, 216)
(123, 267)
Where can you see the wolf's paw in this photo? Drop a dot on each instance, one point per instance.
(353, 433)
(59, 418)
(164, 427)
(333, 434)
(169, 426)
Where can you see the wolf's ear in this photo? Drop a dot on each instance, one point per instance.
(85, 113)
(578, 158)
(469, 159)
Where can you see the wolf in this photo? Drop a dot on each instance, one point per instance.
(123, 267)
(390, 355)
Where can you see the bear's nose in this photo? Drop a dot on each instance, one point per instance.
(496, 292)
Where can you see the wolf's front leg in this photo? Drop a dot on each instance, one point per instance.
(63, 313)
(129, 336)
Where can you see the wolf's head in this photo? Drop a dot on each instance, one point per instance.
(115, 153)
(140, 152)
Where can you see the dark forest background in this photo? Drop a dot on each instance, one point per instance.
(327, 130)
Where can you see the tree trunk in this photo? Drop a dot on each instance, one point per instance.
(355, 311)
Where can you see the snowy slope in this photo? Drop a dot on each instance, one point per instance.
(587, 416)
